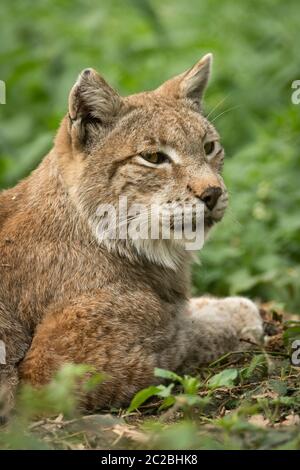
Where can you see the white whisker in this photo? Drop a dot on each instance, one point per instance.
(217, 106)
(224, 112)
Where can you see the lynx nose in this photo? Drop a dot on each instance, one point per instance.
(210, 196)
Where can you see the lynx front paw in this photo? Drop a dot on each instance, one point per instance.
(246, 318)
(241, 312)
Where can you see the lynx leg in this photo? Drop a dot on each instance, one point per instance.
(100, 332)
(14, 342)
(107, 333)
(239, 312)
(9, 382)
(218, 326)
(123, 342)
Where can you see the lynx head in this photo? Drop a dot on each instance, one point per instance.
(153, 149)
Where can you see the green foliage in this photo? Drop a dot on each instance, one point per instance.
(258, 363)
(292, 332)
(61, 395)
(186, 399)
(224, 408)
(225, 378)
(149, 392)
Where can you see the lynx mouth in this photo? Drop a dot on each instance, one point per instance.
(210, 221)
(191, 226)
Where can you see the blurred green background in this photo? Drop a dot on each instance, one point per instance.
(136, 44)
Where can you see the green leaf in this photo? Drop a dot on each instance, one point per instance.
(257, 361)
(168, 401)
(278, 386)
(194, 400)
(226, 378)
(190, 384)
(292, 333)
(142, 396)
(165, 391)
(167, 374)
(92, 382)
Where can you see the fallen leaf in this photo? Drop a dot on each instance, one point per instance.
(59, 418)
(259, 420)
(291, 420)
(268, 394)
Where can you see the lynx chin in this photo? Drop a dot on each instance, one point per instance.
(68, 293)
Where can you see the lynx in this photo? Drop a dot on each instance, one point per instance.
(122, 306)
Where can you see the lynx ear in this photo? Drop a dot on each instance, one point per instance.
(190, 84)
(93, 105)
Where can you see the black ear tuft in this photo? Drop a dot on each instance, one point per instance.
(191, 84)
(93, 105)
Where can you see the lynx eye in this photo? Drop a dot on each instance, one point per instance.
(209, 148)
(156, 158)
